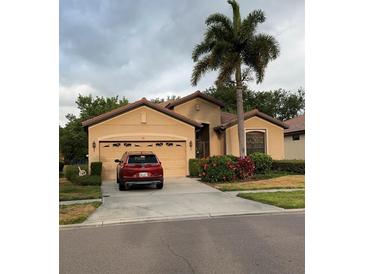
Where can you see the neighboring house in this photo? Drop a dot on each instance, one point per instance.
(190, 127)
(294, 138)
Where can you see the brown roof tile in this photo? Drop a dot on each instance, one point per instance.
(227, 117)
(296, 124)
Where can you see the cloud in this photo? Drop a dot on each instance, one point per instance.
(143, 48)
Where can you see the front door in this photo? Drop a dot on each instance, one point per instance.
(202, 142)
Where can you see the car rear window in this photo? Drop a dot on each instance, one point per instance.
(142, 159)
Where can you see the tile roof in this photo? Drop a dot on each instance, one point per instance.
(295, 124)
(227, 117)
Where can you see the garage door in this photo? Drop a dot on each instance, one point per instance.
(172, 155)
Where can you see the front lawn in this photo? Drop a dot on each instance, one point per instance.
(283, 182)
(69, 191)
(76, 213)
(287, 200)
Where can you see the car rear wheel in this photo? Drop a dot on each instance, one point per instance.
(159, 185)
(121, 186)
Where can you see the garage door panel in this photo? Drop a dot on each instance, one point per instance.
(172, 155)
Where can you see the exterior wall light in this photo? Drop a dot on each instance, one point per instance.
(94, 145)
(191, 143)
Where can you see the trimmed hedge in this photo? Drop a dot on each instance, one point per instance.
(87, 180)
(96, 168)
(194, 167)
(295, 166)
(262, 161)
(73, 171)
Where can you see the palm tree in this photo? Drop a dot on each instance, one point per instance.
(234, 48)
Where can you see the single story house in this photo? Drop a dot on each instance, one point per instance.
(190, 127)
(294, 138)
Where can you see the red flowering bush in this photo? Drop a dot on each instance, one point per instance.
(226, 168)
(245, 168)
(218, 169)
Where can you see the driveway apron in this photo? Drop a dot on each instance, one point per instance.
(181, 197)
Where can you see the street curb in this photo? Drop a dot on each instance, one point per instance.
(73, 202)
(178, 218)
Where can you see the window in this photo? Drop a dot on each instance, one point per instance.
(296, 137)
(142, 159)
(255, 141)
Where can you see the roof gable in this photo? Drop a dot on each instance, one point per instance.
(139, 103)
(192, 96)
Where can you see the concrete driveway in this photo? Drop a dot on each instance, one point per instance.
(180, 198)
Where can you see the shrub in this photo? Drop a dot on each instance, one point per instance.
(73, 171)
(61, 166)
(295, 166)
(244, 168)
(261, 161)
(96, 168)
(87, 180)
(194, 167)
(218, 169)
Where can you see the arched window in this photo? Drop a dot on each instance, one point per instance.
(255, 141)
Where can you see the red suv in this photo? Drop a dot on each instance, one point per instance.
(140, 167)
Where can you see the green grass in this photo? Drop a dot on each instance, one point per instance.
(69, 191)
(287, 200)
(283, 182)
(76, 213)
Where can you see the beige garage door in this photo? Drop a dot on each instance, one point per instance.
(172, 155)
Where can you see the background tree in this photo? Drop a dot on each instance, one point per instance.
(282, 104)
(73, 137)
(161, 100)
(234, 48)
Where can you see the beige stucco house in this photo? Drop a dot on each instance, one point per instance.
(294, 138)
(190, 127)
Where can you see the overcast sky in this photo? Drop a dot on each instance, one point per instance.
(142, 48)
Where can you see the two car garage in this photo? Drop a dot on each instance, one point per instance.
(172, 155)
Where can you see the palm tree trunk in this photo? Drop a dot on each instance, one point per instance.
(240, 113)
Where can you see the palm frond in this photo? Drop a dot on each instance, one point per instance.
(218, 33)
(249, 24)
(261, 49)
(200, 68)
(201, 49)
(227, 68)
(219, 19)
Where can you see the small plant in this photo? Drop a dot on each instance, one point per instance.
(194, 167)
(88, 180)
(96, 168)
(262, 162)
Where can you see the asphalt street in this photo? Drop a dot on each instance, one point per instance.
(245, 244)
